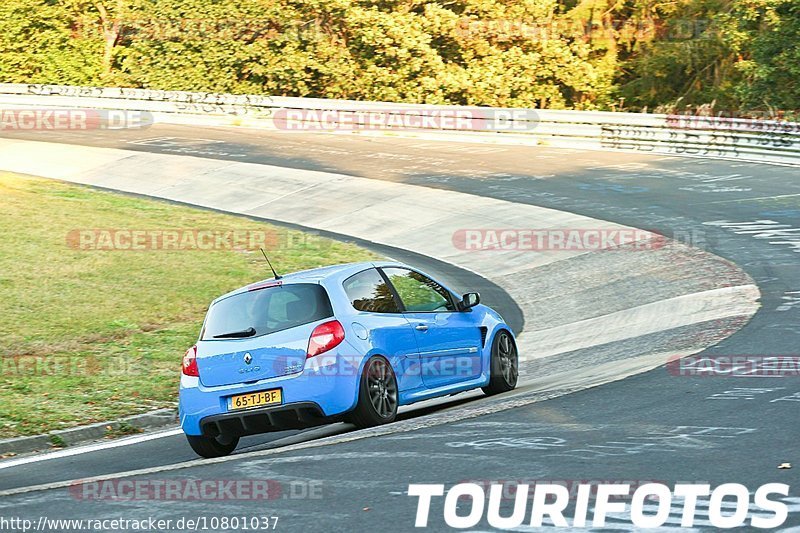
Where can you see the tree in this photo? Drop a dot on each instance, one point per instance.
(765, 35)
(39, 43)
(583, 54)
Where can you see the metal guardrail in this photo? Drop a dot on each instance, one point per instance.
(740, 139)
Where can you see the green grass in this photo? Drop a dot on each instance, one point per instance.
(88, 336)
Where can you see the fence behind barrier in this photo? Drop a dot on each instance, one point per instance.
(768, 141)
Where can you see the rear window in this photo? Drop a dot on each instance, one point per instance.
(250, 314)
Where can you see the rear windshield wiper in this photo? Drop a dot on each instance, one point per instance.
(249, 332)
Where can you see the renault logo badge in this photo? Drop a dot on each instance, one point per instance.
(248, 358)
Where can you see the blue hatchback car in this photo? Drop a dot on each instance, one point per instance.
(347, 342)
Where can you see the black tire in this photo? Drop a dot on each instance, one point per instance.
(505, 365)
(377, 396)
(210, 447)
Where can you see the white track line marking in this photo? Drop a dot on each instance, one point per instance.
(128, 441)
(68, 452)
(338, 439)
(757, 198)
(444, 417)
(523, 396)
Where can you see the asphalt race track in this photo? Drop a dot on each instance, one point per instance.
(655, 426)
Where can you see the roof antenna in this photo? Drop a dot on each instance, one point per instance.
(270, 264)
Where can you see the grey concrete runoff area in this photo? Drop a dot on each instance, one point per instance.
(597, 401)
(372, 210)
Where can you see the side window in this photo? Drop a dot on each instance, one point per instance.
(368, 291)
(419, 293)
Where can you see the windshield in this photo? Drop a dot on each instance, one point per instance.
(254, 313)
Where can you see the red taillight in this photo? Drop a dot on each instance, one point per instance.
(324, 337)
(189, 367)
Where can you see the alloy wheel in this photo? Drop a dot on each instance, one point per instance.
(507, 355)
(382, 388)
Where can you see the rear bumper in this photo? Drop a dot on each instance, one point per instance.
(253, 421)
(331, 392)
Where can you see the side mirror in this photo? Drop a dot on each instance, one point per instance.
(470, 299)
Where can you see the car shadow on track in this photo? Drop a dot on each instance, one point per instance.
(268, 441)
(172, 449)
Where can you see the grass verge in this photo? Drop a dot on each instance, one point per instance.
(90, 335)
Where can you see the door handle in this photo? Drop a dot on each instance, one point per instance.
(421, 327)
